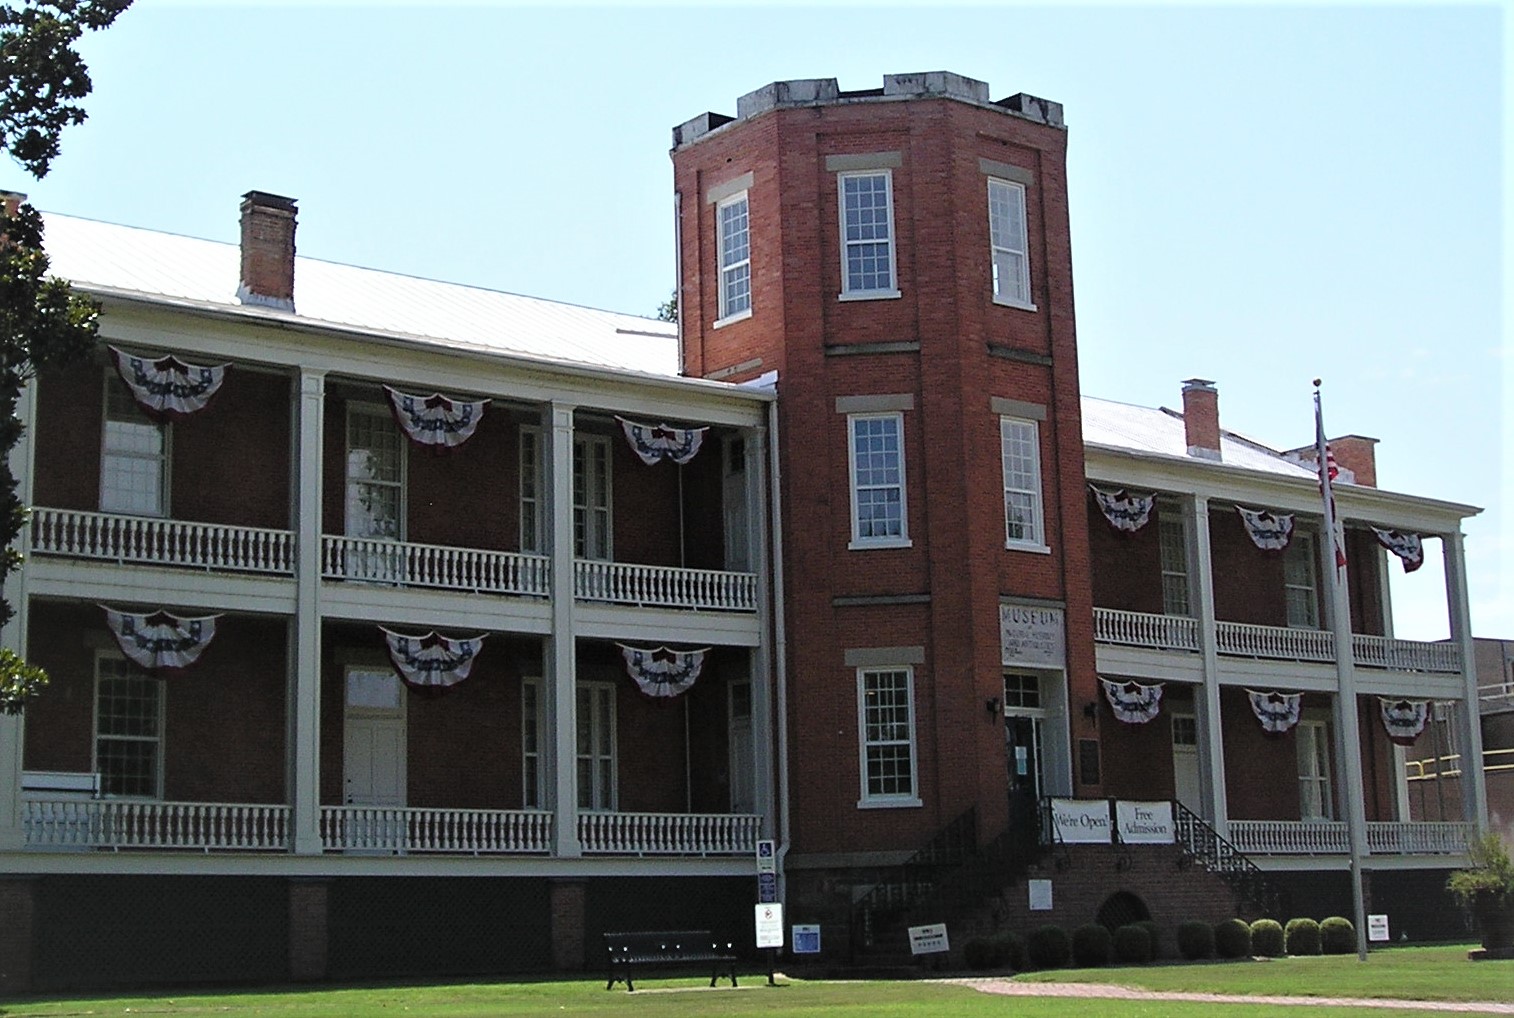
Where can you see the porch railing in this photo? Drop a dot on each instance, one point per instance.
(407, 564)
(1330, 837)
(1280, 643)
(403, 830)
(669, 833)
(1142, 629)
(208, 546)
(117, 824)
(664, 586)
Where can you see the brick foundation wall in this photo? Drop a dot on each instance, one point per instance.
(307, 929)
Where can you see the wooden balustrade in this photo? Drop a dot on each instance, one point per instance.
(181, 543)
(669, 833)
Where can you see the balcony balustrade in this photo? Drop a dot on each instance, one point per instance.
(404, 830)
(1276, 643)
(407, 564)
(62, 824)
(669, 833)
(664, 586)
(152, 541)
(1330, 837)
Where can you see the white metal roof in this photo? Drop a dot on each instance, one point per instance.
(1153, 430)
(102, 256)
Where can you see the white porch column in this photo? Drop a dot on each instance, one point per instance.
(1206, 699)
(762, 655)
(304, 654)
(1474, 789)
(561, 665)
(13, 638)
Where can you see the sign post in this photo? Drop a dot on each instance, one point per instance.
(769, 926)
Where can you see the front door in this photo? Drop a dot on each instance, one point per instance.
(373, 758)
(733, 502)
(1022, 745)
(1185, 761)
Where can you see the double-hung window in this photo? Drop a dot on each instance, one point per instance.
(1008, 243)
(375, 474)
(867, 235)
(134, 456)
(532, 772)
(1299, 589)
(1172, 535)
(733, 226)
(886, 720)
(879, 518)
(128, 729)
(1313, 748)
(596, 746)
(1020, 445)
(591, 495)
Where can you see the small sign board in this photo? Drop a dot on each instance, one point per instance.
(928, 939)
(767, 862)
(806, 938)
(1081, 821)
(769, 920)
(767, 887)
(1377, 927)
(1040, 895)
(1145, 823)
(1032, 636)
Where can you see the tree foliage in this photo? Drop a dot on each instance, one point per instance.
(43, 322)
(667, 311)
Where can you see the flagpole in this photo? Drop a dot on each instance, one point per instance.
(1347, 722)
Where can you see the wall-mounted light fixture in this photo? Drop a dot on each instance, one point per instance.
(1091, 711)
(992, 705)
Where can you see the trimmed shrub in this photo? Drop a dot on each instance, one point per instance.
(1092, 945)
(1009, 950)
(1132, 944)
(1155, 932)
(1232, 938)
(1302, 936)
(1048, 947)
(1267, 938)
(1195, 940)
(977, 954)
(1337, 936)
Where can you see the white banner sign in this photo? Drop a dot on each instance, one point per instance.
(1081, 821)
(1032, 636)
(769, 920)
(928, 939)
(1145, 823)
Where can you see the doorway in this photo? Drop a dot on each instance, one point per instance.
(1024, 718)
(373, 757)
(1185, 762)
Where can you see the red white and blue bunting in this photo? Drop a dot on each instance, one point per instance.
(167, 388)
(1404, 719)
(1278, 712)
(431, 663)
(1133, 703)
(654, 442)
(437, 422)
(662, 673)
(1269, 531)
(158, 641)
(1406, 546)
(1124, 511)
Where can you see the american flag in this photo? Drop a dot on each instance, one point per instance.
(1329, 470)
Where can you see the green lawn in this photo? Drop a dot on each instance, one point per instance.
(1405, 973)
(1412, 973)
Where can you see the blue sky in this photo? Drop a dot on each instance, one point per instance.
(1258, 196)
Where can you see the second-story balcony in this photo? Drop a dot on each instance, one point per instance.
(151, 540)
(1271, 643)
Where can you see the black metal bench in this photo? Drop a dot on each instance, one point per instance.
(631, 952)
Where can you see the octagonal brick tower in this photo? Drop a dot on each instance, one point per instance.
(900, 256)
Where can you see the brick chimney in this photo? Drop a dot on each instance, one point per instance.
(11, 200)
(268, 222)
(1201, 418)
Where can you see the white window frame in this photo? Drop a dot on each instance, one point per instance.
(1009, 245)
(533, 794)
(1317, 773)
(901, 539)
(1301, 553)
(860, 293)
(114, 386)
(533, 525)
(158, 740)
(601, 799)
(730, 268)
(1172, 551)
(530, 484)
(1036, 539)
(375, 412)
(865, 746)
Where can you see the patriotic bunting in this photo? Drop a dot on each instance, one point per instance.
(436, 421)
(658, 442)
(1278, 712)
(1269, 531)
(431, 663)
(159, 641)
(1124, 511)
(1133, 703)
(1406, 546)
(167, 388)
(1404, 719)
(662, 673)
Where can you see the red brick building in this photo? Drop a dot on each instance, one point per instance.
(906, 597)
